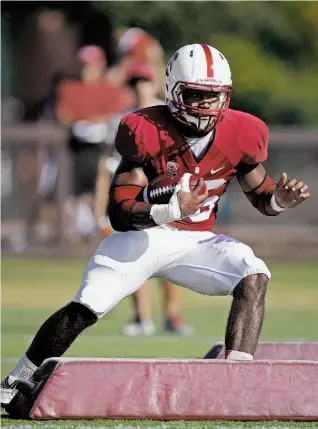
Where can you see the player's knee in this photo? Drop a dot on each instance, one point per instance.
(104, 288)
(255, 270)
(252, 287)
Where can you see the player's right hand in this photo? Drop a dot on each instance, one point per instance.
(290, 193)
(191, 199)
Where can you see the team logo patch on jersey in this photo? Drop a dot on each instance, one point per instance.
(172, 167)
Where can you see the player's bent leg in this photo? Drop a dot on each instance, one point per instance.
(246, 317)
(220, 265)
(119, 266)
(215, 265)
(53, 338)
(59, 331)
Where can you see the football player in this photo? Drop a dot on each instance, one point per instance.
(195, 133)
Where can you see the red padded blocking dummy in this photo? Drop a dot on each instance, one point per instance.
(280, 351)
(177, 389)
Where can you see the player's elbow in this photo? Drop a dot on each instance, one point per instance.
(121, 200)
(118, 218)
(115, 222)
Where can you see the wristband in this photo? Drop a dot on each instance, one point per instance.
(275, 206)
(166, 213)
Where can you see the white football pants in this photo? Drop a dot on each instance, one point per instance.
(201, 261)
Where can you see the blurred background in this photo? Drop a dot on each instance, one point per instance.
(68, 69)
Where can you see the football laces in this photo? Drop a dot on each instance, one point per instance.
(161, 191)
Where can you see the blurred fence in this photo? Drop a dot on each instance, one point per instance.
(294, 234)
(26, 148)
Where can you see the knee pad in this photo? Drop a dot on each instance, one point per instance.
(102, 289)
(252, 264)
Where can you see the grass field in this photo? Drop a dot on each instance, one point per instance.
(32, 289)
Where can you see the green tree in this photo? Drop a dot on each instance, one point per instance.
(272, 47)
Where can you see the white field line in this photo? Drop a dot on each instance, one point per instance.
(160, 338)
(9, 360)
(199, 339)
(121, 338)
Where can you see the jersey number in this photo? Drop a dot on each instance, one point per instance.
(209, 203)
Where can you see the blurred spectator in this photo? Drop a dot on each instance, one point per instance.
(84, 106)
(141, 78)
(47, 105)
(41, 39)
(136, 47)
(48, 48)
(43, 217)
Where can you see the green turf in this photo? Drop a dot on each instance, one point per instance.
(32, 289)
(129, 424)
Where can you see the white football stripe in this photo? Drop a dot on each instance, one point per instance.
(185, 182)
(145, 194)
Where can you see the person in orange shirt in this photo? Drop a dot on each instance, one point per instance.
(84, 106)
(142, 76)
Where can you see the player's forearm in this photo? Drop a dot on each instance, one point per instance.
(145, 215)
(131, 215)
(140, 216)
(125, 212)
(134, 215)
(262, 195)
(265, 203)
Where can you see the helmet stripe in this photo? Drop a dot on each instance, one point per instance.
(209, 60)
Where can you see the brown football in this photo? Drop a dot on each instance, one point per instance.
(160, 189)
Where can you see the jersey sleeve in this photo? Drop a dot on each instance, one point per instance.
(254, 138)
(129, 141)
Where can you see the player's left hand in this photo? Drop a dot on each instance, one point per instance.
(290, 193)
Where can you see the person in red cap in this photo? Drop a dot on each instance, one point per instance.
(84, 107)
(137, 47)
(142, 79)
(93, 55)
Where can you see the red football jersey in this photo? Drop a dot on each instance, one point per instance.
(150, 137)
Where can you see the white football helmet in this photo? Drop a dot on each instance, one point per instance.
(201, 68)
